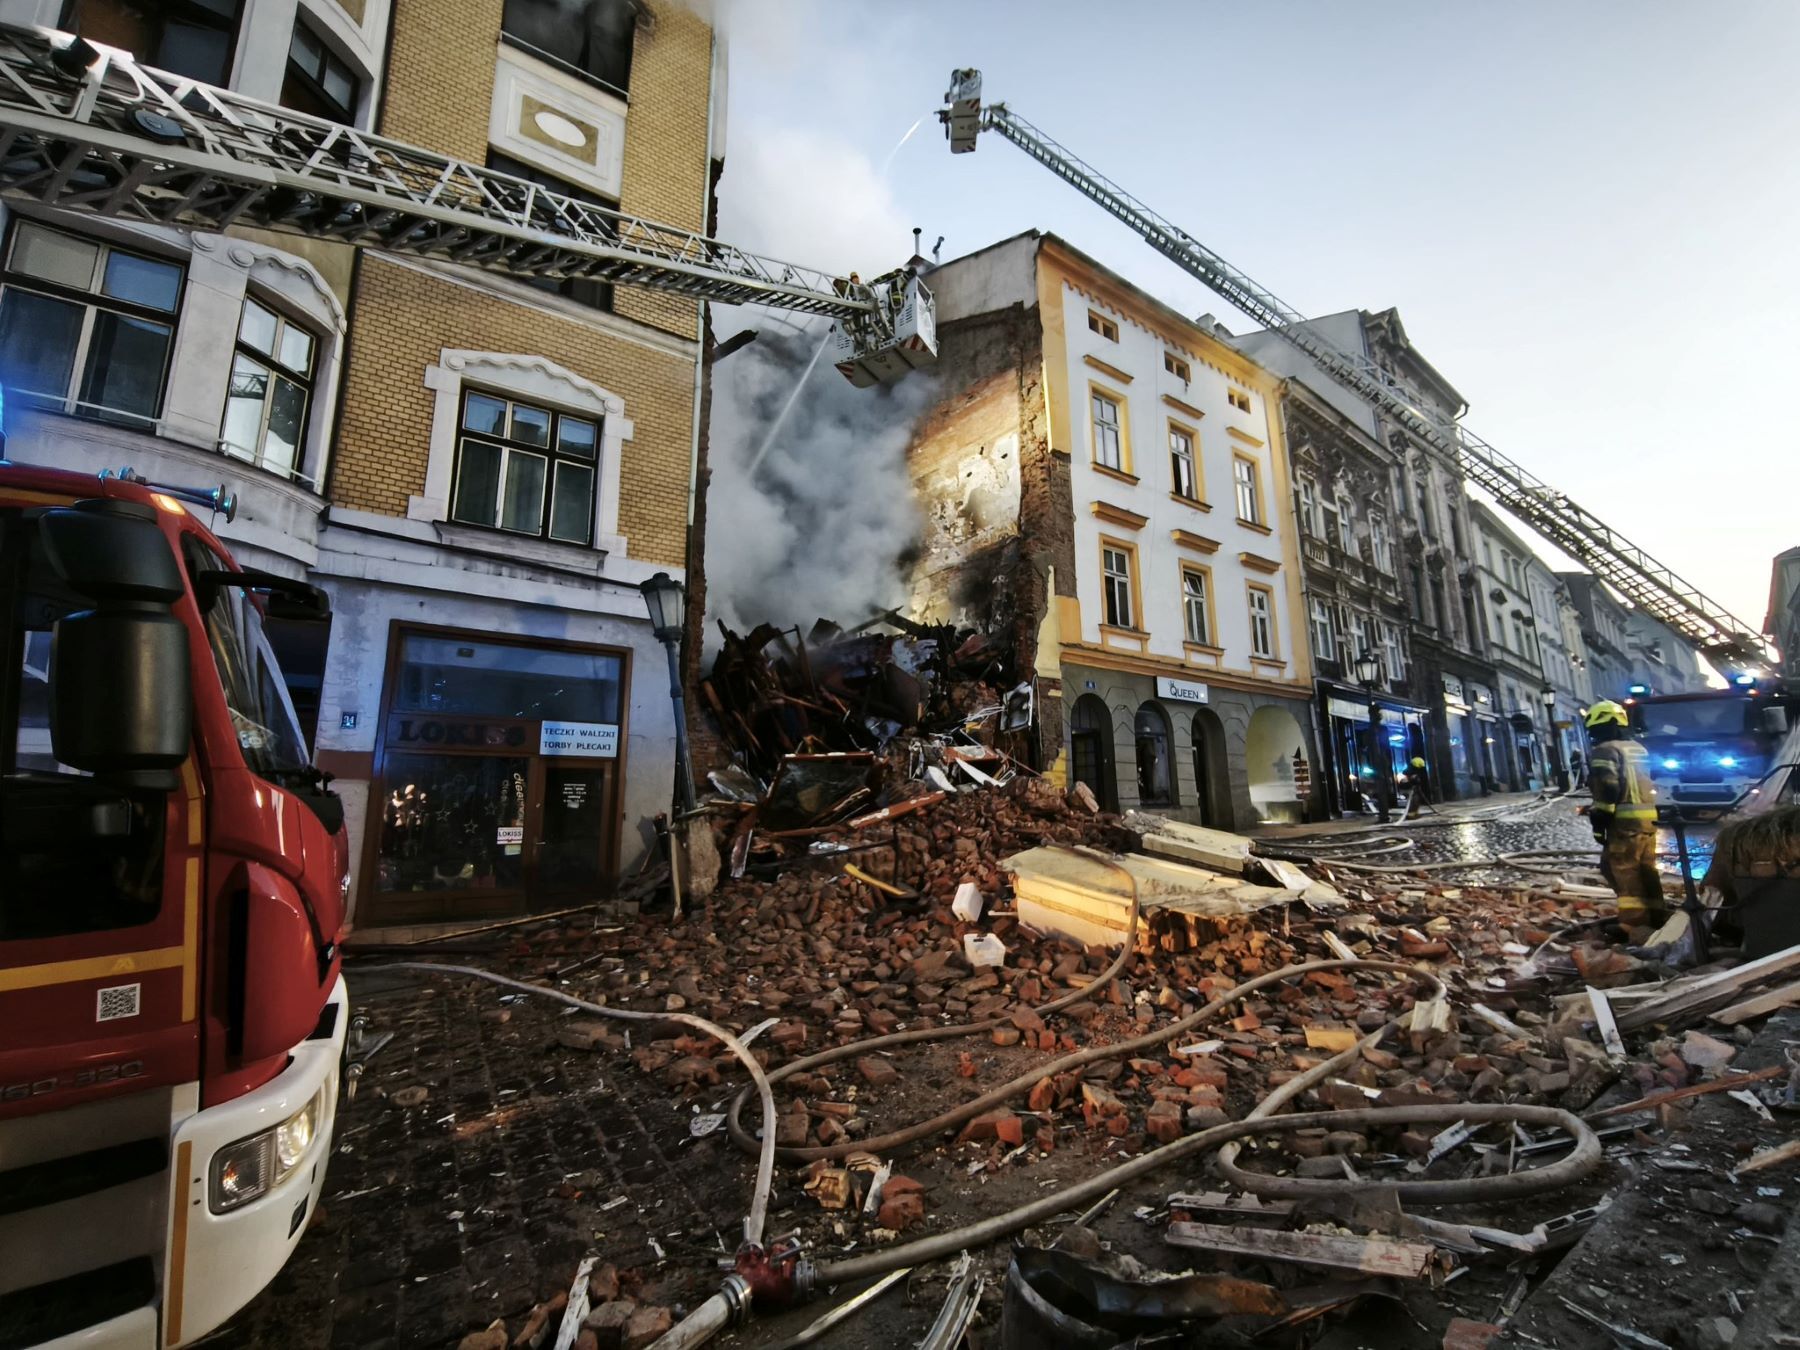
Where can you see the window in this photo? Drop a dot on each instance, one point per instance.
(590, 38)
(1309, 506)
(525, 468)
(582, 290)
(1362, 637)
(1196, 606)
(99, 865)
(1115, 567)
(1238, 399)
(1518, 632)
(1333, 522)
(1177, 367)
(1346, 537)
(1244, 484)
(1109, 432)
(271, 385)
(318, 81)
(1394, 653)
(86, 327)
(256, 696)
(1380, 544)
(1182, 471)
(1262, 622)
(1105, 327)
(1422, 501)
(196, 38)
(1323, 647)
(1440, 613)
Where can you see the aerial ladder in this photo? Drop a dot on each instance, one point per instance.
(84, 127)
(1727, 641)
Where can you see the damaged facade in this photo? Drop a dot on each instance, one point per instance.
(1104, 486)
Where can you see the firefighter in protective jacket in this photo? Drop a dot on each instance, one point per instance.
(1624, 814)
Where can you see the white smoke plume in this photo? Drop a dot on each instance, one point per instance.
(824, 525)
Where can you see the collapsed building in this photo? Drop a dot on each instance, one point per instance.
(1105, 488)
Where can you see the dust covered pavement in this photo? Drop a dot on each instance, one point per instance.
(547, 1138)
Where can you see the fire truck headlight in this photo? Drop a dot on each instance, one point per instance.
(242, 1171)
(251, 1167)
(295, 1135)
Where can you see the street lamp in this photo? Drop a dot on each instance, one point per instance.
(668, 616)
(1556, 759)
(1368, 674)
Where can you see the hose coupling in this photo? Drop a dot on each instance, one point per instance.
(776, 1277)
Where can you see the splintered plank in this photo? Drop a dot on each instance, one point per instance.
(1360, 1255)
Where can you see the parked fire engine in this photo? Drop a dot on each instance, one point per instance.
(172, 882)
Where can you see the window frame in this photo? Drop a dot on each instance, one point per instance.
(1252, 590)
(307, 383)
(1103, 327)
(92, 301)
(315, 84)
(1118, 401)
(1381, 544)
(1192, 436)
(1254, 483)
(1174, 365)
(1209, 641)
(1393, 651)
(1324, 631)
(1112, 544)
(574, 69)
(550, 452)
(605, 294)
(1238, 398)
(196, 16)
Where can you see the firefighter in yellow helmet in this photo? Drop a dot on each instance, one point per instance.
(1624, 815)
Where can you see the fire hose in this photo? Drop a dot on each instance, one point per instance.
(757, 1216)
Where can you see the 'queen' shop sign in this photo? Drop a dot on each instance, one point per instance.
(594, 740)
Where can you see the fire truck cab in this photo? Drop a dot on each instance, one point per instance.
(172, 882)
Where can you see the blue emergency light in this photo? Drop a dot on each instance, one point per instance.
(1671, 764)
(1728, 761)
(1637, 690)
(1744, 679)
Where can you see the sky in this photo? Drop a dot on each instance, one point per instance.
(1587, 211)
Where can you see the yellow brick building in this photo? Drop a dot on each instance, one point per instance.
(513, 457)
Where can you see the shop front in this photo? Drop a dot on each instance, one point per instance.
(1359, 766)
(496, 783)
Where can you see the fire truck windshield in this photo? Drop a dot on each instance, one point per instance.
(1696, 718)
(268, 730)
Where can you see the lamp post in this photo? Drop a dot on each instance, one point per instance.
(1368, 674)
(1556, 759)
(668, 613)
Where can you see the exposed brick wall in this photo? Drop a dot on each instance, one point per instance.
(665, 177)
(440, 90)
(404, 318)
(440, 75)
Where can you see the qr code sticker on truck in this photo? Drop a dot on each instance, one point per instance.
(119, 1001)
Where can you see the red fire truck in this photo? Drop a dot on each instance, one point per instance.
(172, 882)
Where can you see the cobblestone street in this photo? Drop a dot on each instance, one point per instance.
(478, 1202)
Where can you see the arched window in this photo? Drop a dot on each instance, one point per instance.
(1156, 778)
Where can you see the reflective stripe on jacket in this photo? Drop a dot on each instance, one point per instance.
(1619, 777)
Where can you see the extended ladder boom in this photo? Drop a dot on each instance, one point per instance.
(86, 128)
(1648, 584)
